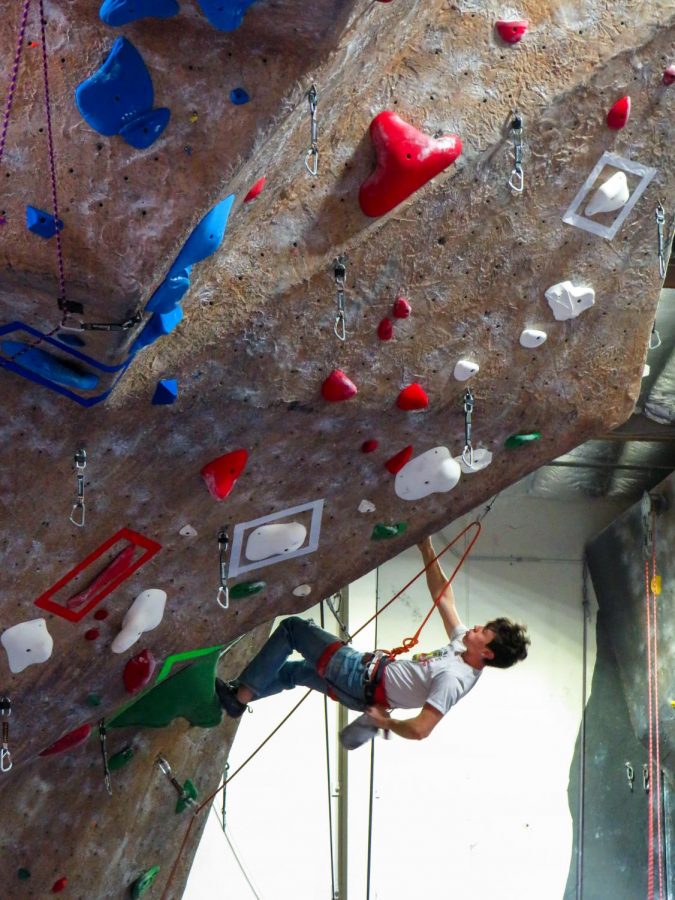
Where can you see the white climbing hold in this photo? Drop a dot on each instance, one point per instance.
(646, 370)
(532, 337)
(433, 472)
(275, 540)
(465, 369)
(188, 531)
(567, 301)
(365, 506)
(27, 644)
(144, 614)
(303, 590)
(481, 460)
(611, 195)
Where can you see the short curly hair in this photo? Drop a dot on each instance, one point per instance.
(509, 644)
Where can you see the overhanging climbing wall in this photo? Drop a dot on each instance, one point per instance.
(241, 351)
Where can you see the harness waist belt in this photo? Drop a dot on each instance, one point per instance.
(373, 690)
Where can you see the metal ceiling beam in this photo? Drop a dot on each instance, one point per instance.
(640, 428)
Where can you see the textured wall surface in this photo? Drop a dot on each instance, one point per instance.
(256, 343)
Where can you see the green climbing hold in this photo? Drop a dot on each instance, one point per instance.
(189, 793)
(140, 886)
(517, 440)
(246, 589)
(189, 693)
(381, 531)
(119, 760)
(23, 874)
(93, 700)
(185, 656)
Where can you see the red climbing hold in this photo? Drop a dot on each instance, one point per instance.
(256, 189)
(138, 671)
(401, 308)
(221, 473)
(338, 387)
(406, 160)
(669, 75)
(92, 634)
(511, 30)
(399, 460)
(385, 330)
(619, 113)
(101, 614)
(68, 742)
(59, 885)
(412, 397)
(369, 446)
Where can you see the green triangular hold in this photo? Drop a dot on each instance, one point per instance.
(119, 760)
(518, 440)
(189, 693)
(246, 589)
(381, 531)
(140, 886)
(189, 793)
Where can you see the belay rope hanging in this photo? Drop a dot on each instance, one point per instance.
(407, 644)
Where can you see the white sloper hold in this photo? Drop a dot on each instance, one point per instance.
(465, 369)
(303, 590)
(481, 460)
(532, 337)
(567, 301)
(27, 644)
(275, 540)
(433, 472)
(366, 506)
(610, 196)
(144, 614)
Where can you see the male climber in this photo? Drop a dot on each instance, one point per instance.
(371, 682)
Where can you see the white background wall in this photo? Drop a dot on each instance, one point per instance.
(479, 809)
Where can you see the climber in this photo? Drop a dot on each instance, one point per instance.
(371, 682)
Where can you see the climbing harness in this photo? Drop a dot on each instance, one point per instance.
(78, 512)
(517, 179)
(5, 755)
(467, 452)
(340, 270)
(183, 796)
(223, 595)
(312, 158)
(102, 736)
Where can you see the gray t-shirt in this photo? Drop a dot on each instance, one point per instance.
(440, 680)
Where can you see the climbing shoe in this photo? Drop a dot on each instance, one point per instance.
(358, 732)
(227, 694)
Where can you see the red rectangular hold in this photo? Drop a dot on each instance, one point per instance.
(130, 550)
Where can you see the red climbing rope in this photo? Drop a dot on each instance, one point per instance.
(13, 77)
(650, 803)
(657, 735)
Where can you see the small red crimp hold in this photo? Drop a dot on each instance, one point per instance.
(369, 446)
(511, 31)
(385, 330)
(619, 113)
(59, 885)
(405, 160)
(412, 397)
(138, 671)
(220, 475)
(401, 308)
(338, 387)
(101, 614)
(669, 75)
(256, 189)
(396, 463)
(92, 634)
(68, 741)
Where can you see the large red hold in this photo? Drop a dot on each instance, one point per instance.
(401, 308)
(385, 330)
(669, 75)
(405, 160)
(138, 671)
(256, 189)
(68, 741)
(338, 387)
(619, 113)
(221, 473)
(511, 30)
(397, 461)
(412, 397)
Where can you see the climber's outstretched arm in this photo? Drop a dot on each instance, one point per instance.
(436, 581)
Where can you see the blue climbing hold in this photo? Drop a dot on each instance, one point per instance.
(122, 12)
(225, 15)
(170, 292)
(206, 236)
(166, 392)
(158, 325)
(118, 98)
(44, 364)
(42, 223)
(239, 96)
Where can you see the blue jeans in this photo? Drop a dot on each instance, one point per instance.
(269, 672)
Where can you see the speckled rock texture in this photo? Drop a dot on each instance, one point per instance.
(472, 257)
